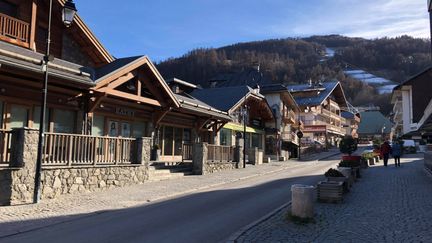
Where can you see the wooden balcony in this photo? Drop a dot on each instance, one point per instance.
(14, 30)
(289, 116)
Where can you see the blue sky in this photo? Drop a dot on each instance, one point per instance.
(168, 28)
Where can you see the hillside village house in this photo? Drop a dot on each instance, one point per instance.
(287, 123)
(281, 141)
(412, 106)
(374, 125)
(234, 100)
(99, 107)
(321, 105)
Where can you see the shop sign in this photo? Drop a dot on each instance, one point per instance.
(124, 112)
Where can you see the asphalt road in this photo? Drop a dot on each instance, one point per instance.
(208, 216)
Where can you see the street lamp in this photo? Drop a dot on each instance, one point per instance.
(68, 14)
(430, 20)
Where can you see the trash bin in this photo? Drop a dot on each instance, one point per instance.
(302, 200)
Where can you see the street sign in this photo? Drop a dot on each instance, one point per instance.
(299, 134)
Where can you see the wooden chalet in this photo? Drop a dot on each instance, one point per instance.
(97, 104)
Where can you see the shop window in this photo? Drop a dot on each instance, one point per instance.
(18, 116)
(64, 121)
(256, 140)
(138, 129)
(98, 125)
(225, 137)
(187, 136)
(36, 118)
(178, 140)
(168, 138)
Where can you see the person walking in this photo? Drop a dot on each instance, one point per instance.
(385, 151)
(396, 151)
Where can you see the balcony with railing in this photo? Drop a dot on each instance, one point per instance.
(289, 116)
(14, 30)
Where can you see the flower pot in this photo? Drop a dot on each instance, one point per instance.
(342, 179)
(330, 191)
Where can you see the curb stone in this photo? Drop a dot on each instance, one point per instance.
(233, 238)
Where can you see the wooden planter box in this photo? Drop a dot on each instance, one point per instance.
(371, 161)
(377, 159)
(351, 177)
(330, 191)
(345, 181)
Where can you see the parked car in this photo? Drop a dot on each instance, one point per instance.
(409, 146)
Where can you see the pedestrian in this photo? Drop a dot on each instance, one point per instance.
(385, 151)
(396, 153)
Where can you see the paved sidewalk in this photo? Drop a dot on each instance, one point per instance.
(387, 205)
(14, 219)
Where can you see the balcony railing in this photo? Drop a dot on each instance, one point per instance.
(187, 151)
(220, 153)
(290, 116)
(14, 30)
(5, 146)
(73, 149)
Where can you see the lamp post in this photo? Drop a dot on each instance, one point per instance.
(68, 14)
(244, 132)
(430, 21)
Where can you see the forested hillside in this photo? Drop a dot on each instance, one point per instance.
(294, 60)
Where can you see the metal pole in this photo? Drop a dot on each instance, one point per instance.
(430, 26)
(41, 142)
(244, 134)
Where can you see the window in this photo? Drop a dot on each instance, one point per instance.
(98, 125)
(225, 137)
(139, 129)
(36, 118)
(256, 140)
(64, 121)
(19, 116)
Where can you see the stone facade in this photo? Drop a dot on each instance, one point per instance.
(59, 181)
(17, 181)
(201, 165)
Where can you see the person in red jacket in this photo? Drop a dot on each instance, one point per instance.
(385, 151)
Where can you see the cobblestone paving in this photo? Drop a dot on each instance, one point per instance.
(15, 219)
(387, 205)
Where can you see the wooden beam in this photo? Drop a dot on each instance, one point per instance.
(149, 85)
(123, 79)
(33, 25)
(200, 123)
(133, 97)
(220, 126)
(159, 115)
(136, 64)
(93, 105)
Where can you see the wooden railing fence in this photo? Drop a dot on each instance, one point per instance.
(187, 151)
(14, 28)
(73, 149)
(218, 153)
(5, 146)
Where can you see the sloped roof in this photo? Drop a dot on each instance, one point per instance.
(115, 65)
(372, 122)
(190, 103)
(317, 93)
(222, 98)
(25, 59)
(412, 78)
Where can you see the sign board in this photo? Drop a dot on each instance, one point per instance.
(124, 112)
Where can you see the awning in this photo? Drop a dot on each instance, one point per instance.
(238, 127)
